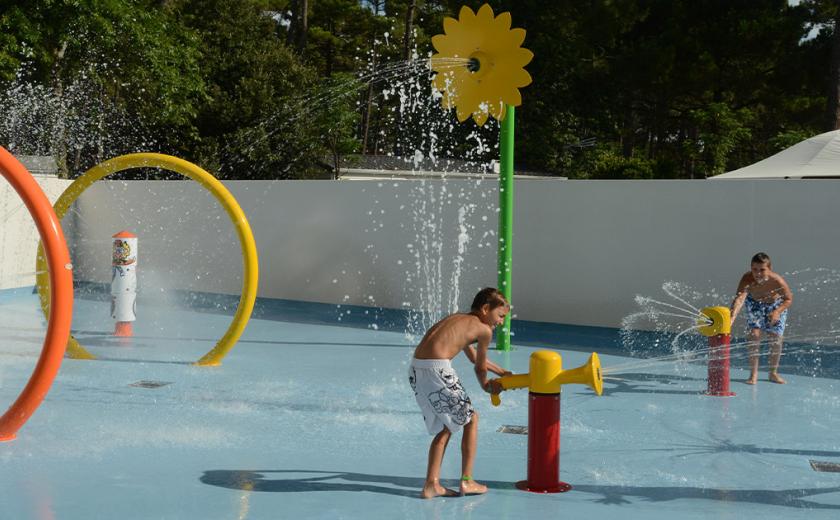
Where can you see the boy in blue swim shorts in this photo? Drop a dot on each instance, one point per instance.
(766, 296)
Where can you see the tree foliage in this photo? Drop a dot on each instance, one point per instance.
(284, 88)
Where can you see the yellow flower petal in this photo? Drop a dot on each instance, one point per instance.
(496, 109)
(517, 37)
(469, 94)
(462, 113)
(523, 56)
(518, 57)
(464, 38)
(502, 22)
(459, 35)
(521, 78)
(485, 15)
(494, 98)
(466, 15)
(445, 46)
(509, 64)
(512, 97)
(515, 77)
(450, 26)
(480, 117)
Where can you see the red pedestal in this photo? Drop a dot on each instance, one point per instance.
(719, 366)
(123, 329)
(543, 445)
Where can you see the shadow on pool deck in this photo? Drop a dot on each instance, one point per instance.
(255, 480)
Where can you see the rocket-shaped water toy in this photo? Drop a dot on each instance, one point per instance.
(544, 379)
(717, 326)
(124, 282)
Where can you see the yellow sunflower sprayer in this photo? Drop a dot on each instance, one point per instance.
(479, 69)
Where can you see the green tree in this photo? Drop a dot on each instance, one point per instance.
(822, 19)
(253, 123)
(694, 87)
(622, 89)
(130, 55)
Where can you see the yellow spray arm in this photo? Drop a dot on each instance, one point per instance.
(547, 375)
(509, 383)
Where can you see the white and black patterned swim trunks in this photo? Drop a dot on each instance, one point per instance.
(440, 395)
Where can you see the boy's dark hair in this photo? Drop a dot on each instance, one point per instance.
(490, 296)
(760, 258)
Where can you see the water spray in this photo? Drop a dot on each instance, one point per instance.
(544, 379)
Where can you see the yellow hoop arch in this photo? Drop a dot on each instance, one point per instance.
(243, 230)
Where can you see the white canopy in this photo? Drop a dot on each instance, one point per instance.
(816, 157)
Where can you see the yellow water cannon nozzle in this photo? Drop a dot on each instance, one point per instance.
(546, 375)
(721, 321)
(587, 374)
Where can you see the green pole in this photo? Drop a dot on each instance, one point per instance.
(505, 220)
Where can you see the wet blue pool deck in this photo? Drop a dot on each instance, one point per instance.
(306, 419)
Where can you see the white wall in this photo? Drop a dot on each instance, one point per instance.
(18, 234)
(322, 241)
(582, 249)
(599, 243)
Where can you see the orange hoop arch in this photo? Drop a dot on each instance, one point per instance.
(61, 284)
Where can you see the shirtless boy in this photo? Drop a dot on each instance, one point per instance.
(767, 298)
(445, 405)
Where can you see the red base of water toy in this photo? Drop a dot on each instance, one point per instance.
(719, 394)
(561, 487)
(718, 381)
(123, 329)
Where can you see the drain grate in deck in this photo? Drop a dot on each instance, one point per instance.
(830, 467)
(508, 428)
(150, 384)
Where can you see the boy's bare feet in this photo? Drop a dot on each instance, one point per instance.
(774, 377)
(471, 487)
(434, 489)
(752, 380)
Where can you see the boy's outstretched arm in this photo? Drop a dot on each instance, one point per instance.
(480, 360)
(740, 296)
(492, 367)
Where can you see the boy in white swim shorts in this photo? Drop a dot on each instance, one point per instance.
(445, 404)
